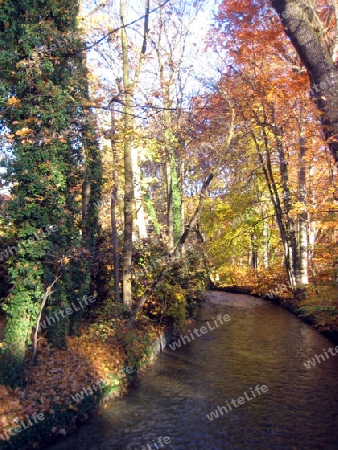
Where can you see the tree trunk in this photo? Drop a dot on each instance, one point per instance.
(140, 215)
(290, 227)
(152, 213)
(169, 180)
(177, 252)
(176, 195)
(129, 126)
(265, 257)
(114, 197)
(85, 204)
(312, 229)
(35, 337)
(302, 266)
(192, 223)
(182, 171)
(168, 153)
(12, 364)
(306, 36)
(254, 252)
(277, 205)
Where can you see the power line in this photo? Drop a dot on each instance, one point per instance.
(127, 25)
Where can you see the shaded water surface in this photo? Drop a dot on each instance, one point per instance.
(262, 344)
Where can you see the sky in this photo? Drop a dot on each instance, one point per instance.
(200, 64)
(198, 60)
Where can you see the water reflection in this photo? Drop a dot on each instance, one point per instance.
(261, 345)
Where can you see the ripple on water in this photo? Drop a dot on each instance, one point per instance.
(262, 344)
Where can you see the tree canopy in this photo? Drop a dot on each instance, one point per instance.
(151, 149)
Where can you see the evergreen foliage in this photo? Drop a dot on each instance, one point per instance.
(41, 105)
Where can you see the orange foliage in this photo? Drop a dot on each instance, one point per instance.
(61, 374)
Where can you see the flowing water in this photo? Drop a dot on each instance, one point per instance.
(261, 345)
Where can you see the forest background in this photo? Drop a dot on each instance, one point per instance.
(150, 147)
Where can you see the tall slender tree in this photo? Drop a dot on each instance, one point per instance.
(129, 85)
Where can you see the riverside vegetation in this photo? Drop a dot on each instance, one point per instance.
(155, 177)
(67, 384)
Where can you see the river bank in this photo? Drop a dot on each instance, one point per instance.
(261, 345)
(326, 325)
(69, 385)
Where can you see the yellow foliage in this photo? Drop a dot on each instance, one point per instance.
(12, 101)
(23, 132)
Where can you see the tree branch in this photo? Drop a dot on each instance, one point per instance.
(177, 252)
(35, 338)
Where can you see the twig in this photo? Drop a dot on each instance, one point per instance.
(35, 338)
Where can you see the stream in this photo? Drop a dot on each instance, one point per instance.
(255, 360)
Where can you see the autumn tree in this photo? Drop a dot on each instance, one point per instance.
(313, 31)
(129, 85)
(266, 80)
(170, 44)
(123, 56)
(213, 170)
